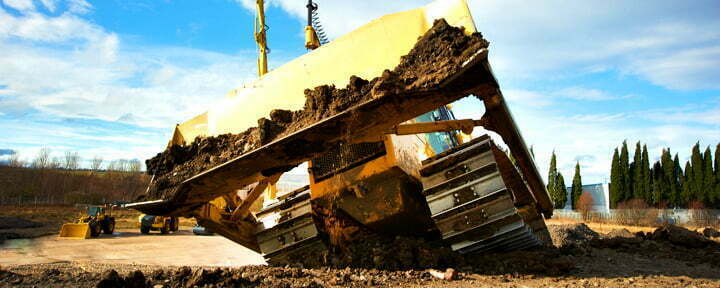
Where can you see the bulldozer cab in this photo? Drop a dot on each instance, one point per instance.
(98, 212)
(95, 211)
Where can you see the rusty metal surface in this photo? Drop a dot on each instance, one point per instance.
(390, 202)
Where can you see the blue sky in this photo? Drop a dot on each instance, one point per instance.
(111, 78)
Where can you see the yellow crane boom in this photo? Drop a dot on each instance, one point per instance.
(260, 37)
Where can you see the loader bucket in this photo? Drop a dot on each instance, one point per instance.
(75, 231)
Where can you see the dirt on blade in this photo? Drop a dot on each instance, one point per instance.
(437, 54)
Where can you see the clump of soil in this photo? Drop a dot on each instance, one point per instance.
(438, 53)
(571, 234)
(681, 237)
(623, 233)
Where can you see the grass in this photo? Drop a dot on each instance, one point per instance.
(606, 227)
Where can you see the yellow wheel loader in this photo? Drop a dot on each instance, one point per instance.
(158, 223)
(398, 163)
(98, 220)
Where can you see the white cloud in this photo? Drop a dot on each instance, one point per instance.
(708, 114)
(596, 36)
(50, 29)
(49, 4)
(527, 97)
(688, 69)
(92, 75)
(20, 5)
(581, 93)
(79, 6)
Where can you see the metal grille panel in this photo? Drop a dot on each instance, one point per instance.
(345, 157)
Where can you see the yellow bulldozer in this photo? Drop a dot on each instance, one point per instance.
(98, 219)
(400, 164)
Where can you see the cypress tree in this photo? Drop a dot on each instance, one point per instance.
(687, 192)
(717, 162)
(717, 175)
(669, 178)
(680, 181)
(659, 185)
(708, 178)
(552, 177)
(696, 176)
(638, 188)
(560, 188)
(646, 176)
(615, 180)
(625, 172)
(557, 190)
(576, 185)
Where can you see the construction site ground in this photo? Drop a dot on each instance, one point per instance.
(213, 260)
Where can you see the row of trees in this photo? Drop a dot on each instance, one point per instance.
(53, 180)
(71, 161)
(557, 189)
(666, 184)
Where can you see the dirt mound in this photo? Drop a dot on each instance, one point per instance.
(681, 237)
(669, 241)
(437, 54)
(571, 234)
(623, 233)
(17, 223)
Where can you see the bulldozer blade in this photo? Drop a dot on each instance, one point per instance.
(75, 231)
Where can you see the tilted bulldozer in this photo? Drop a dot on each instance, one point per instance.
(98, 219)
(395, 163)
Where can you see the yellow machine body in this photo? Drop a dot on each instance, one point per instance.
(75, 231)
(396, 203)
(375, 46)
(379, 190)
(164, 224)
(365, 52)
(96, 217)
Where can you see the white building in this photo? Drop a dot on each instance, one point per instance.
(600, 193)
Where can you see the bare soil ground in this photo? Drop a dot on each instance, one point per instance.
(669, 257)
(128, 246)
(48, 219)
